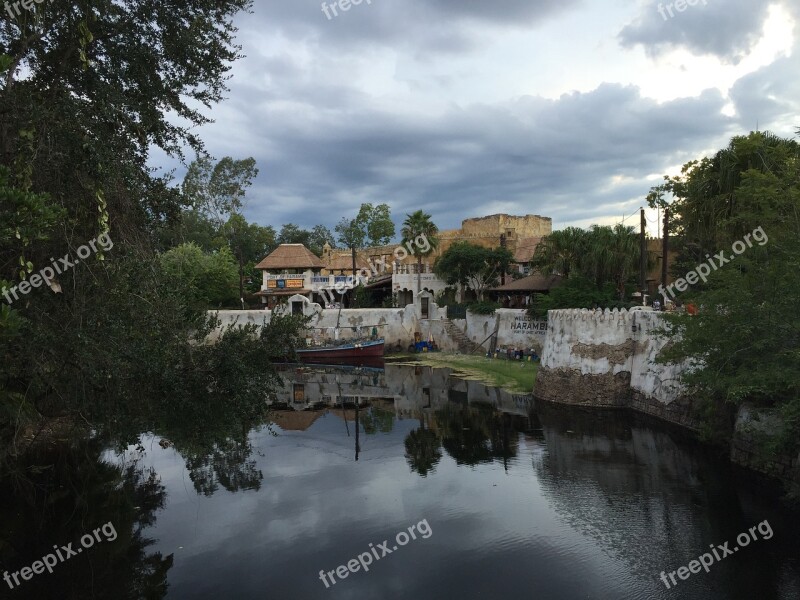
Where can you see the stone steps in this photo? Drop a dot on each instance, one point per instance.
(465, 345)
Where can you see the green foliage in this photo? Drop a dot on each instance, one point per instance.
(601, 254)
(482, 307)
(314, 240)
(473, 266)
(318, 237)
(218, 190)
(362, 298)
(25, 218)
(211, 279)
(83, 107)
(419, 224)
(577, 292)
(376, 221)
(746, 337)
(352, 233)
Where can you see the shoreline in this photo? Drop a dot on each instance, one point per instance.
(514, 376)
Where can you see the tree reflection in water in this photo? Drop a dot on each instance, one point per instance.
(75, 493)
(471, 434)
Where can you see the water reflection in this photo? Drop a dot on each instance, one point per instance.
(553, 503)
(78, 491)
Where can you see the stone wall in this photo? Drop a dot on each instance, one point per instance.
(396, 325)
(607, 359)
(516, 328)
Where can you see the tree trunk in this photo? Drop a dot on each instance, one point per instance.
(241, 279)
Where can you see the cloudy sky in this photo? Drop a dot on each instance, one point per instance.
(570, 109)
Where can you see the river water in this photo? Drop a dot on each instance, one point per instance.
(507, 499)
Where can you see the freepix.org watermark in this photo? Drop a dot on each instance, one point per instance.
(704, 561)
(343, 5)
(47, 274)
(379, 267)
(26, 4)
(364, 559)
(679, 6)
(702, 271)
(61, 555)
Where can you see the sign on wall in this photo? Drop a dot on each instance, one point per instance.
(285, 284)
(526, 324)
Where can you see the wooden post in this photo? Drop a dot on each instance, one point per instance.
(643, 256)
(664, 255)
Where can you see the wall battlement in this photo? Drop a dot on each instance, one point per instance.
(608, 359)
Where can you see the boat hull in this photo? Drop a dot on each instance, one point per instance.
(345, 352)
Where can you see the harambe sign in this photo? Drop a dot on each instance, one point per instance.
(528, 325)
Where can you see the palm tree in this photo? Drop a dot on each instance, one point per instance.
(612, 255)
(561, 252)
(419, 224)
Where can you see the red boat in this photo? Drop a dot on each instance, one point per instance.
(346, 351)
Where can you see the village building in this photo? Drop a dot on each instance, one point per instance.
(388, 275)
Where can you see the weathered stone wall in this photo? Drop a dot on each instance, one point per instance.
(607, 358)
(516, 328)
(396, 325)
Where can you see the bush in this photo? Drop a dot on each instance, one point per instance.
(578, 292)
(482, 307)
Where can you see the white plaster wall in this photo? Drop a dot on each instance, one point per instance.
(592, 328)
(516, 328)
(395, 325)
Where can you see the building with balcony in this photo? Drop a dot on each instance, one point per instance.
(293, 269)
(520, 234)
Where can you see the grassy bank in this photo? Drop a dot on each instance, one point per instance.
(512, 375)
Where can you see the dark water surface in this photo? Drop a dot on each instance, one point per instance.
(508, 500)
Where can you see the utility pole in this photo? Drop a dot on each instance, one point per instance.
(664, 254)
(643, 256)
(502, 245)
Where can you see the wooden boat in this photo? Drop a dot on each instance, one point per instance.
(342, 352)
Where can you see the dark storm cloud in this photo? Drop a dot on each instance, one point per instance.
(438, 26)
(725, 28)
(325, 139)
(768, 96)
(552, 157)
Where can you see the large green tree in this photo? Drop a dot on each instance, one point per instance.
(87, 91)
(473, 266)
(377, 223)
(248, 242)
(602, 254)
(352, 235)
(212, 277)
(560, 253)
(745, 340)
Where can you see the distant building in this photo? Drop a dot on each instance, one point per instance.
(290, 269)
(520, 234)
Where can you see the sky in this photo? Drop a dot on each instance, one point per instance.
(570, 109)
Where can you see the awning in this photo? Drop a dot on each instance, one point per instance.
(532, 283)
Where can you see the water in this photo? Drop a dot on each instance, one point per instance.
(507, 499)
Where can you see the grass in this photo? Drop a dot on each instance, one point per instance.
(512, 375)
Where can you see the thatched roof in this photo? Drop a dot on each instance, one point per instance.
(344, 262)
(291, 256)
(532, 283)
(293, 420)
